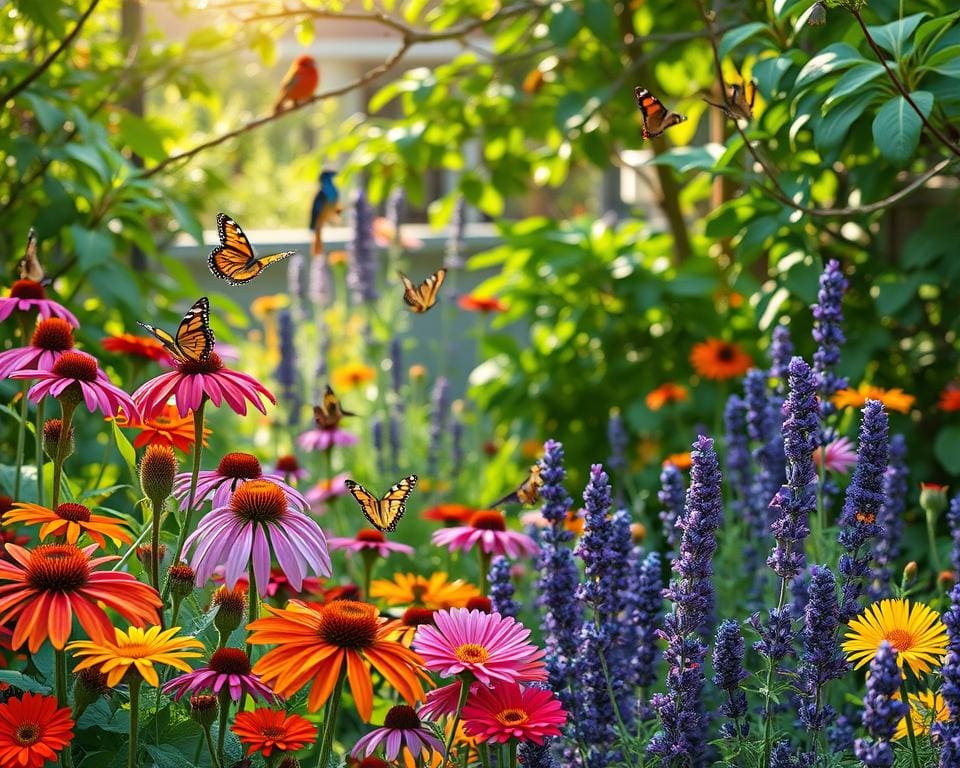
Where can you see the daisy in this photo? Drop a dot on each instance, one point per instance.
(507, 711)
(30, 296)
(69, 520)
(325, 439)
(289, 469)
(449, 514)
(351, 376)
(33, 729)
(136, 650)
(926, 708)
(401, 731)
(144, 347)
(228, 670)
(894, 399)
(167, 427)
(435, 591)
(234, 470)
(840, 456)
(268, 730)
(665, 394)
(488, 528)
(487, 645)
(484, 304)
(193, 382)
(78, 375)
(51, 339)
(51, 583)
(256, 520)
(915, 631)
(369, 540)
(405, 628)
(317, 645)
(719, 360)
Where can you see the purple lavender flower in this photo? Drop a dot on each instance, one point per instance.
(881, 712)
(953, 521)
(671, 496)
(396, 366)
(888, 546)
(763, 429)
(595, 547)
(862, 506)
(286, 373)
(618, 440)
(828, 333)
(454, 258)
(395, 208)
(783, 755)
(439, 412)
(319, 285)
(456, 438)
(799, 594)
(533, 755)
(501, 587)
(362, 267)
(295, 286)
(841, 734)
(738, 463)
(647, 592)
(781, 352)
(393, 435)
(728, 673)
(377, 433)
(947, 734)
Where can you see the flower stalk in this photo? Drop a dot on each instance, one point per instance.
(67, 407)
(330, 718)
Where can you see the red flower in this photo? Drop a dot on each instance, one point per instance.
(950, 398)
(137, 346)
(507, 711)
(266, 730)
(33, 730)
(485, 304)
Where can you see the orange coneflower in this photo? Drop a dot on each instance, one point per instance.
(950, 398)
(137, 346)
(665, 394)
(166, 428)
(434, 592)
(319, 645)
(894, 399)
(33, 730)
(54, 581)
(484, 304)
(352, 375)
(926, 708)
(681, 461)
(265, 730)
(719, 360)
(405, 628)
(69, 520)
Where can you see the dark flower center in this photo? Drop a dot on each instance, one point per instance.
(726, 353)
(273, 731)
(230, 661)
(212, 364)
(76, 365)
(415, 617)
(288, 464)
(371, 535)
(93, 680)
(479, 603)
(348, 624)
(58, 568)
(512, 716)
(76, 513)
(203, 702)
(402, 718)
(259, 501)
(51, 431)
(240, 465)
(488, 520)
(230, 600)
(27, 734)
(181, 572)
(372, 762)
(53, 334)
(27, 289)
(6, 503)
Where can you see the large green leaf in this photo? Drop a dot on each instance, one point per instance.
(896, 128)
(893, 37)
(946, 447)
(93, 247)
(834, 57)
(853, 80)
(836, 122)
(739, 35)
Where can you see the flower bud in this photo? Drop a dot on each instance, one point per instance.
(230, 605)
(180, 577)
(88, 686)
(51, 438)
(933, 498)
(144, 554)
(418, 372)
(638, 533)
(203, 709)
(947, 579)
(910, 572)
(479, 603)
(158, 467)
(289, 762)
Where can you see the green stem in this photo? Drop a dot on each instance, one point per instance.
(253, 611)
(485, 558)
(39, 437)
(466, 680)
(767, 698)
(484, 751)
(222, 726)
(330, 720)
(932, 538)
(512, 754)
(66, 418)
(157, 507)
(135, 681)
(213, 752)
(909, 718)
(21, 439)
(60, 676)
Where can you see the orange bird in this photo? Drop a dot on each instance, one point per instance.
(299, 83)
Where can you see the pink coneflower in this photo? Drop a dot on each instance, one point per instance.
(325, 439)
(289, 469)
(368, 540)
(487, 645)
(258, 519)
(488, 528)
(233, 471)
(443, 701)
(27, 296)
(401, 730)
(326, 490)
(228, 668)
(507, 711)
(52, 338)
(279, 585)
(79, 372)
(193, 381)
(840, 456)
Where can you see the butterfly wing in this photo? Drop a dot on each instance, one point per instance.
(164, 338)
(29, 266)
(656, 117)
(430, 288)
(394, 503)
(742, 97)
(369, 504)
(234, 259)
(529, 491)
(411, 294)
(511, 498)
(329, 413)
(194, 337)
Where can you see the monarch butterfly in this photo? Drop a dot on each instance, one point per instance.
(528, 492)
(384, 513)
(194, 340)
(29, 266)
(739, 105)
(656, 117)
(234, 259)
(329, 414)
(421, 297)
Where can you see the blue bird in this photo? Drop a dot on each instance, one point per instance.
(326, 207)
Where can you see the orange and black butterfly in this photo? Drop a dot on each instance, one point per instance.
(739, 104)
(528, 493)
(29, 265)
(383, 513)
(329, 414)
(421, 297)
(656, 117)
(234, 259)
(194, 340)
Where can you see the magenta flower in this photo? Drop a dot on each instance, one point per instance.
(52, 337)
(289, 469)
(256, 520)
(488, 528)
(840, 456)
(79, 371)
(234, 470)
(192, 381)
(487, 645)
(228, 668)
(369, 539)
(27, 296)
(443, 701)
(325, 439)
(326, 490)
(401, 730)
(507, 711)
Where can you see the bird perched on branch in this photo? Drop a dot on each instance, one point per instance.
(326, 207)
(299, 83)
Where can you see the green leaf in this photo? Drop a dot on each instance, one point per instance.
(769, 72)
(946, 447)
(837, 120)
(167, 755)
(93, 247)
(564, 25)
(126, 450)
(21, 681)
(831, 59)
(894, 294)
(690, 158)
(738, 36)
(892, 37)
(48, 115)
(853, 80)
(896, 128)
(140, 136)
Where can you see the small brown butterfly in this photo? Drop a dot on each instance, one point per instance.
(739, 104)
(329, 414)
(421, 297)
(29, 266)
(656, 117)
(528, 493)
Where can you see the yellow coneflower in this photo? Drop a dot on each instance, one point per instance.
(915, 631)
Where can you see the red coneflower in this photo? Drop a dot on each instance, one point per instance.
(719, 360)
(265, 730)
(665, 394)
(448, 514)
(484, 304)
(950, 399)
(137, 346)
(33, 730)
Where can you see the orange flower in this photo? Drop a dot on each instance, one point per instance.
(950, 398)
(70, 520)
(436, 592)
(54, 581)
(33, 730)
(665, 394)
(894, 399)
(485, 304)
(166, 428)
(531, 449)
(264, 730)
(719, 360)
(351, 376)
(345, 637)
(681, 461)
(137, 346)
(448, 514)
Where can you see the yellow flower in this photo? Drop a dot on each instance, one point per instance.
(264, 306)
(926, 707)
(435, 592)
(352, 375)
(894, 399)
(915, 631)
(139, 649)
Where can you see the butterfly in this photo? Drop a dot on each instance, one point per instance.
(29, 266)
(194, 340)
(528, 492)
(421, 298)
(656, 117)
(385, 513)
(739, 105)
(234, 259)
(329, 414)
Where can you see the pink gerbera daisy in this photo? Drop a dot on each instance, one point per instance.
(228, 670)
(488, 528)
(840, 455)
(29, 296)
(234, 470)
(79, 373)
(325, 439)
(369, 540)
(443, 701)
(487, 645)
(258, 518)
(52, 338)
(507, 711)
(194, 381)
(401, 730)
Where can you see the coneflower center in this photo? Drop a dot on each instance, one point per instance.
(472, 653)
(58, 568)
(402, 718)
(75, 513)
(288, 464)
(27, 289)
(234, 600)
(369, 534)
(415, 617)
(725, 353)
(76, 365)
(27, 734)
(244, 466)
(488, 520)
(259, 501)
(230, 661)
(181, 572)
(479, 603)
(53, 334)
(212, 364)
(348, 624)
(512, 716)
(900, 639)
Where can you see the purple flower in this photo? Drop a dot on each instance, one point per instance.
(393, 433)
(671, 496)
(888, 546)
(618, 439)
(318, 288)
(231, 473)
(362, 267)
(953, 521)
(595, 546)
(454, 259)
(763, 429)
(439, 412)
(286, 373)
(376, 433)
(646, 590)
(396, 368)
(396, 207)
(881, 712)
(296, 286)
(728, 673)
(533, 755)
(229, 671)
(401, 731)
(828, 333)
(456, 439)
(947, 734)
(781, 352)
(783, 756)
(501, 587)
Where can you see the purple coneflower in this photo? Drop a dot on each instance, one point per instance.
(369, 540)
(78, 376)
(28, 296)
(228, 671)
(487, 529)
(231, 473)
(325, 439)
(838, 456)
(401, 731)
(51, 338)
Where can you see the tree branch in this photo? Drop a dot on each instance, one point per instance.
(44, 65)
